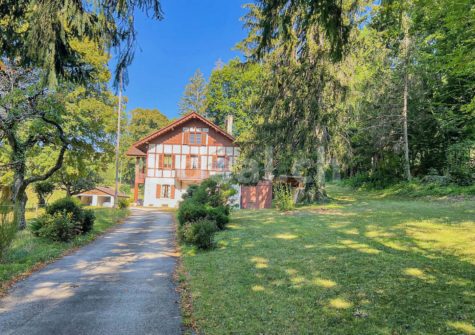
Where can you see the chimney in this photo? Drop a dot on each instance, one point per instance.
(229, 124)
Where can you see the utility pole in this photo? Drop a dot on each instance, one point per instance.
(117, 145)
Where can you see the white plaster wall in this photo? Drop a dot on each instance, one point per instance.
(150, 198)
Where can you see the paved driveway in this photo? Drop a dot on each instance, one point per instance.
(120, 284)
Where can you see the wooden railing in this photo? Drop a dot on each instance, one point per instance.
(191, 174)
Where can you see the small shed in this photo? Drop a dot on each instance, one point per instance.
(101, 196)
(257, 196)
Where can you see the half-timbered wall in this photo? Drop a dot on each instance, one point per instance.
(175, 156)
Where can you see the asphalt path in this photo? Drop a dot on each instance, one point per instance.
(122, 283)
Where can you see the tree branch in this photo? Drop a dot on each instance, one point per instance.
(59, 160)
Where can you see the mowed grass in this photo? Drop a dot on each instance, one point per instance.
(359, 265)
(28, 252)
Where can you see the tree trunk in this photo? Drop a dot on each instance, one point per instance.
(19, 198)
(407, 168)
(336, 176)
(320, 192)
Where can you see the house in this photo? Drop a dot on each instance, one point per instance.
(183, 153)
(100, 196)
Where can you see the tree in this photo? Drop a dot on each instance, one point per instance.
(233, 89)
(302, 89)
(75, 181)
(144, 121)
(194, 97)
(30, 120)
(39, 33)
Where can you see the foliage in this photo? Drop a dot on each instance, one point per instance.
(190, 211)
(145, 121)
(124, 203)
(59, 227)
(219, 215)
(399, 255)
(233, 90)
(461, 159)
(283, 197)
(88, 220)
(8, 228)
(194, 97)
(84, 219)
(68, 205)
(199, 233)
(41, 34)
(43, 190)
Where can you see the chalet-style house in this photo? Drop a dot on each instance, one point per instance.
(181, 154)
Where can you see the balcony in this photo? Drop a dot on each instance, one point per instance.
(191, 174)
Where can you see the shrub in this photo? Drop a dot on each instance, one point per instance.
(199, 233)
(83, 219)
(57, 227)
(284, 199)
(88, 221)
(219, 214)
(191, 211)
(8, 229)
(124, 203)
(68, 205)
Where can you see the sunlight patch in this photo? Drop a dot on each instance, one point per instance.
(418, 273)
(286, 236)
(465, 327)
(362, 247)
(260, 262)
(327, 283)
(340, 303)
(258, 288)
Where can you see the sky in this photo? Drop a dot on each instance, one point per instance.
(194, 34)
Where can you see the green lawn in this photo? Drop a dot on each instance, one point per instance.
(363, 264)
(28, 251)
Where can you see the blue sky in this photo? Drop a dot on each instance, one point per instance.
(194, 34)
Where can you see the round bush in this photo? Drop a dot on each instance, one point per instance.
(58, 227)
(200, 233)
(124, 203)
(68, 205)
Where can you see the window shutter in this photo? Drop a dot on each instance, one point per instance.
(172, 192)
(162, 158)
(188, 162)
(215, 165)
(159, 191)
(173, 162)
(187, 138)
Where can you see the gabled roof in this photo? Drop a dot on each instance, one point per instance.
(135, 151)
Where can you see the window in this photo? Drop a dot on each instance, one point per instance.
(167, 161)
(195, 138)
(194, 162)
(220, 162)
(166, 191)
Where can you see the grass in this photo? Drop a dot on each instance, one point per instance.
(363, 264)
(29, 252)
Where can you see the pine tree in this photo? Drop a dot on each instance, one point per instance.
(194, 97)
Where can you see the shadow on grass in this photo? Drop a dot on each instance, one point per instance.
(357, 267)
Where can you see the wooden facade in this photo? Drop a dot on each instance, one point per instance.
(185, 152)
